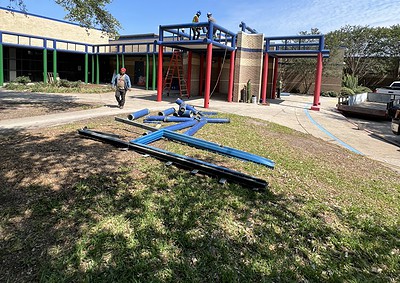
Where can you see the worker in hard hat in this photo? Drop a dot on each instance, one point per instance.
(196, 30)
(211, 19)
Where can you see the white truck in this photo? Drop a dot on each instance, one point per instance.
(394, 88)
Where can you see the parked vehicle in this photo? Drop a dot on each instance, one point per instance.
(396, 123)
(394, 88)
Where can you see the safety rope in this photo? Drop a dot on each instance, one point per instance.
(220, 71)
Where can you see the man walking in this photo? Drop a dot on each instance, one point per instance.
(122, 83)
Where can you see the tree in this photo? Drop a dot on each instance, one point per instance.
(88, 13)
(390, 44)
(361, 46)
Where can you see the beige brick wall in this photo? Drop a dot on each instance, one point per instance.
(32, 25)
(248, 64)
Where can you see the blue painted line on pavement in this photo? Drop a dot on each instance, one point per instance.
(328, 133)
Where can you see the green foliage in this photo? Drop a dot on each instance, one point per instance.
(88, 13)
(350, 86)
(350, 81)
(22, 80)
(345, 91)
(364, 47)
(330, 93)
(63, 86)
(68, 84)
(361, 89)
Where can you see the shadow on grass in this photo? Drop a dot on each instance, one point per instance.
(107, 219)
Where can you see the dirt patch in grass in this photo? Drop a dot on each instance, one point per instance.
(13, 110)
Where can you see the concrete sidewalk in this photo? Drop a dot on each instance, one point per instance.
(376, 141)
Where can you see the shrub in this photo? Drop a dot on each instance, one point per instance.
(330, 93)
(16, 86)
(361, 89)
(350, 81)
(68, 84)
(22, 80)
(345, 91)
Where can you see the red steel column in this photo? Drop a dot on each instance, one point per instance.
(275, 79)
(265, 80)
(160, 73)
(208, 76)
(189, 73)
(231, 72)
(318, 80)
(201, 77)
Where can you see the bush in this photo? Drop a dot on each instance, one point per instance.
(350, 81)
(361, 89)
(16, 86)
(22, 80)
(68, 84)
(329, 93)
(345, 91)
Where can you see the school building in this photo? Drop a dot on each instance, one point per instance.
(221, 63)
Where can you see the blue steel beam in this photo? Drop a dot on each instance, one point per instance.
(168, 118)
(206, 145)
(195, 127)
(183, 161)
(217, 148)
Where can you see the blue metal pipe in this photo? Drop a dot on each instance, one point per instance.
(186, 113)
(228, 151)
(154, 118)
(138, 114)
(196, 127)
(167, 119)
(190, 107)
(150, 138)
(181, 126)
(167, 112)
(217, 120)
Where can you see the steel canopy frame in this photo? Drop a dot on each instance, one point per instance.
(203, 144)
(299, 46)
(196, 166)
(225, 40)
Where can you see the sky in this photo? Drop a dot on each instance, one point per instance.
(270, 17)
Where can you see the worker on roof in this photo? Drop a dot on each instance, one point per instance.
(196, 30)
(211, 19)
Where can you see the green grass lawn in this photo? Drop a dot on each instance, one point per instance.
(78, 210)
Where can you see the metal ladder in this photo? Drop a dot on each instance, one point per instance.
(175, 65)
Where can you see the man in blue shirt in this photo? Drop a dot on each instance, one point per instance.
(122, 83)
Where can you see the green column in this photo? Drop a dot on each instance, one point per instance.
(117, 63)
(1, 65)
(45, 65)
(154, 71)
(123, 61)
(86, 67)
(93, 69)
(55, 65)
(98, 69)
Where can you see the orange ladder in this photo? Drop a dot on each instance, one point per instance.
(175, 65)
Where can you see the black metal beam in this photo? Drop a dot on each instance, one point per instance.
(136, 124)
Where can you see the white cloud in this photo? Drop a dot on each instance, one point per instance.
(288, 18)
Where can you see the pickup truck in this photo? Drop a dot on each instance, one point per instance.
(394, 88)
